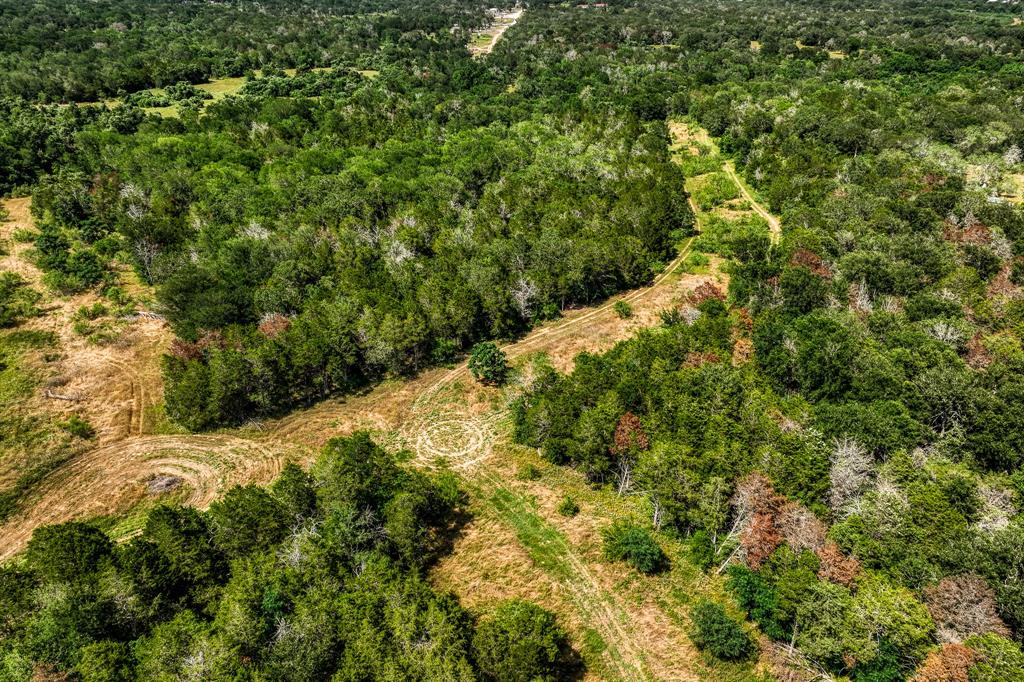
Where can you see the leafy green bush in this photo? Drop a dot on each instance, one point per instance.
(718, 634)
(625, 541)
(714, 189)
(623, 309)
(694, 165)
(488, 363)
(78, 427)
(17, 300)
(702, 549)
(529, 472)
(568, 507)
(520, 642)
(24, 235)
(91, 312)
(695, 261)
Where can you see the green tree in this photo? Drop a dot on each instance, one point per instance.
(716, 632)
(488, 363)
(247, 520)
(520, 642)
(625, 541)
(69, 552)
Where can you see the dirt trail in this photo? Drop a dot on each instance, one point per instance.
(774, 226)
(504, 22)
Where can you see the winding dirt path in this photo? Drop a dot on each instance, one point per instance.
(774, 225)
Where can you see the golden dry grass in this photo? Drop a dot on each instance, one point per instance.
(112, 386)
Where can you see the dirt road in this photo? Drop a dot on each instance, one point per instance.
(774, 226)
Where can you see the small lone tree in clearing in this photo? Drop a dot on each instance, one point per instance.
(623, 309)
(488, 363)
(625, 541)
(715, 632)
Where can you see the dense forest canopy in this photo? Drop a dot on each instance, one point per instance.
(840, 434)
(63, 51)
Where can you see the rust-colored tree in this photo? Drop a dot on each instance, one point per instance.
(706, 291)
(629, 439)
(185, 350)
(755, 507)
(951, 663)
(698, 358)
(273, 325)
(837, 567)
(810, 260)
(761, 538)
(630, 435)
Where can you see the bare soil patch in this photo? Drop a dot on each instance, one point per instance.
(482, 43)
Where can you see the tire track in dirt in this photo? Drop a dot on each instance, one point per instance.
(774, 225)
(600, 609)
(113, 477)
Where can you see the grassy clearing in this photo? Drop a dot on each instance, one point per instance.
(31, 444)
(626, 625)
(222, 87)
(692, 138)
(712, 190)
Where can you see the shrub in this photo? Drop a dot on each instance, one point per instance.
(444, 352)
(714, 189)
(715, 632)
(702, 550)
(78, 427)
(488, 363)
(93, 312)
(24, 235)
(528, 472)
(17, 300)
(568, 507)
(625, 541)
(520, 642)
(695, 261)
(623, 309)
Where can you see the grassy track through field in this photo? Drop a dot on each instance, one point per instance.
(773, 223)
